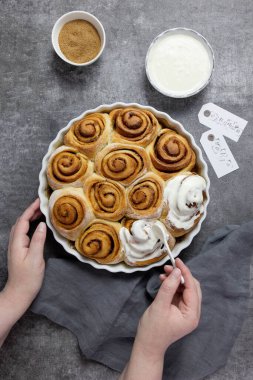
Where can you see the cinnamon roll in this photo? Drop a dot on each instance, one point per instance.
(99, 241)
(68, 167)
(69, 211)
(90, 134)
(184, 202)
(134, 126)
(141, 244)
(127, 222)
(122, 163)
(107, 198)
(145, 197)
(171, 154)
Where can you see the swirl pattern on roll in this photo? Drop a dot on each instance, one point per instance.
(67, 167)
(89, 134)
(134, 125)
(145, 197)
(100, 242)
(108, 198)
(122, 163)
(68, 212)
(171, 153)
(118, 172)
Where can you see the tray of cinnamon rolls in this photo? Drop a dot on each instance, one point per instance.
(115, 172)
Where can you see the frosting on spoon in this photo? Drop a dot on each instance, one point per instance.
(142, 243)
(184, 196)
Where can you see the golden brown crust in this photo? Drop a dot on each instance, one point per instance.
(128, 222)
(178, 232)
(107, 198)
(145, 197)
(145, 262)
(122, 163)
(68, 167)
(69, 211)
(170, 154)
(99, 241)
(90, 134)
(125, 182)
(134, 126)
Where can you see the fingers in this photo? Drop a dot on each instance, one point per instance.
(11, 235)
(38, 241)
(36, 215)
(19, 234)
(167, 269)
(21, 228)
(199, 295)
(10, 239)
(188, 277)
(31, 211)
(168, 288)
(190, 293)
(198, 289)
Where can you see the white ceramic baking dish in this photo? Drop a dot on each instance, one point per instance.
(44, 197)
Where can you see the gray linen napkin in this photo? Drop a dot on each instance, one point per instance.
(102, 309)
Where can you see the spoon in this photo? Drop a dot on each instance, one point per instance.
(159, 229)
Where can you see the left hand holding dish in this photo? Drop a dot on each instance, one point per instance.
(26, 268)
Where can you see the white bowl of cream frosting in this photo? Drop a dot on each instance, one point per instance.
(121, 267)
(179, 62)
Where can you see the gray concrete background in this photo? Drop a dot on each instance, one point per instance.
(40, 94)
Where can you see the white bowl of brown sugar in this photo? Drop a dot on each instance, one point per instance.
(78, 38)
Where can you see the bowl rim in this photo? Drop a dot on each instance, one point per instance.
(43, 187)
(60, 54)
(206, 43)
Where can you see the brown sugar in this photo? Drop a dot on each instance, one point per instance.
(79, 41)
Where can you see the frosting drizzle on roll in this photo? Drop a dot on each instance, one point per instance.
(142, 243)
(184, 196)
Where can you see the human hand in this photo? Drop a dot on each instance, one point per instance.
(174, 313)
(26, 263)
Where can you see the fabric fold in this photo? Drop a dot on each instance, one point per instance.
(103, 309)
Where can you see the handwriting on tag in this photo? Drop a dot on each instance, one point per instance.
(222, 121)
(218, 153)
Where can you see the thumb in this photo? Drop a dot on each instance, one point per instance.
(38, 240)
(169, 287)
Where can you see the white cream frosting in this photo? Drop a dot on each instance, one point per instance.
(184, 196)
(179, 63)
(142, 243)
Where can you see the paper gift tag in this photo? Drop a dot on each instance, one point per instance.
(218, 152)
(222, 121)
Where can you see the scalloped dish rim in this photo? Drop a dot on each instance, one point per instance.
(121, 267)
